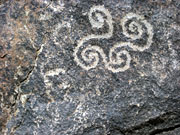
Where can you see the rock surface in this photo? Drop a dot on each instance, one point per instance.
(90, 67)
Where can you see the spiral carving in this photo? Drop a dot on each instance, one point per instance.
(88, 56)
(116, 62)
(133, 26)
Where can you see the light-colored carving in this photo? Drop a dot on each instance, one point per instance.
(90, 54)
(48, 83)
(117, 60)
(133, 26)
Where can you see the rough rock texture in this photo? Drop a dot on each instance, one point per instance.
(51, 82)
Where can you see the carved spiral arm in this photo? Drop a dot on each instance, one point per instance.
(132, 25)
(88, 56)
(116, 62)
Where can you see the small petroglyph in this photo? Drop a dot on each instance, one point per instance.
(49, 84)
(53, 72)
(89, 56)
(135, 27)
(118, 60)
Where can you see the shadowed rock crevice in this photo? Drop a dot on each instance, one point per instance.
(158, 131)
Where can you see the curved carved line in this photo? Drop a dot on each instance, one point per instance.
(119, 60)
(140, 32)
(98, 25)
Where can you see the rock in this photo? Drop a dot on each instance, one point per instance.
(95, 67)
(173, 132)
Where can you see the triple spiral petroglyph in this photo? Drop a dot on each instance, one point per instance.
(133, 26)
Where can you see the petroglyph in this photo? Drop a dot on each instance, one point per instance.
(48, 83)
(136, 23)
(91, 59)
(117, 61)
(133, 26)
(53, 72)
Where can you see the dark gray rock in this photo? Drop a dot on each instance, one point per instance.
(136, 91)
(173, 132)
